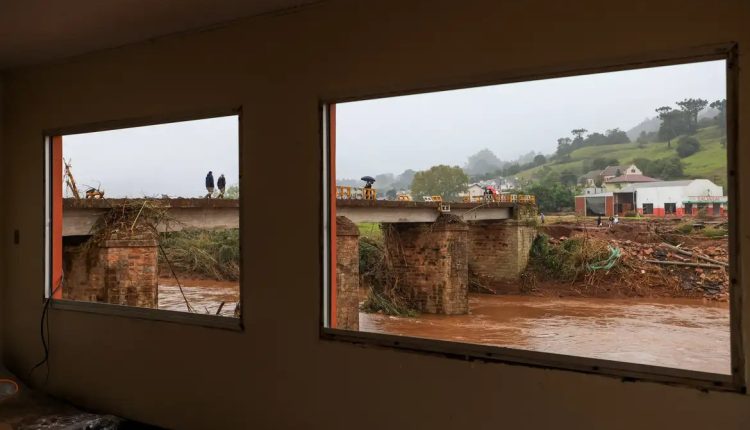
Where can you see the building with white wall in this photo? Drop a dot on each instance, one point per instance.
(685, 197)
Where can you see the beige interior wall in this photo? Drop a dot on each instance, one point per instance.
(3, 231)
(277, 373)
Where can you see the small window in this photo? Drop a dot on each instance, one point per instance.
(533, 264)
(147, 217)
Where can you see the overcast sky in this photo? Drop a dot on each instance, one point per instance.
(170, 159)
(419, 131)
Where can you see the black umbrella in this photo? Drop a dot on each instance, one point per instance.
(369, 179)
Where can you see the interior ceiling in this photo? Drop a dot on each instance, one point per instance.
(37, 31)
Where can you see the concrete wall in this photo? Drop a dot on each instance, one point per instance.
(277, 373)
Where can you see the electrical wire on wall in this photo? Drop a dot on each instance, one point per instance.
(44, 329)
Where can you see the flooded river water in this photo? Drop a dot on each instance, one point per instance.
(679, 333)
(204, 296)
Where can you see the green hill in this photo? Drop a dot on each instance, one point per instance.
(710, 162)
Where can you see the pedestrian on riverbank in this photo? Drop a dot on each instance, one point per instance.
(541, 216)
(222, 184)
(210, 184)
(599, 220)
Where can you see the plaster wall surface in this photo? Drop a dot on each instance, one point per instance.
(277, 373)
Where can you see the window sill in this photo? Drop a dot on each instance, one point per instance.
(628, 372)
(203, 320)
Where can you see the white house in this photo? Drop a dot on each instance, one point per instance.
(686, 197)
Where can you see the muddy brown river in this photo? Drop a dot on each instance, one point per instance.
(679, 333)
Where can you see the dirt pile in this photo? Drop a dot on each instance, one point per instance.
(645, 265)
(692, 271)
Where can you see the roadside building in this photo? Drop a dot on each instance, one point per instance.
(594, 204)
(473, 190)
(623, 181)
(686, 197)
(611, 172)
(657, 198)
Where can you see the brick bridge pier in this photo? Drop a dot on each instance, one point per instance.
(435, 258)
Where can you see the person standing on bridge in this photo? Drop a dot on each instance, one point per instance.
(209, 184)
(222, 184)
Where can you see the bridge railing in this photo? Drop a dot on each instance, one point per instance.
(502, 198)
(354, 193)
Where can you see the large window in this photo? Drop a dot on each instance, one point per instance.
(147, 217)
(485, 218)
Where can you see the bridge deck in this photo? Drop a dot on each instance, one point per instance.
(79, 216)
(405, 211)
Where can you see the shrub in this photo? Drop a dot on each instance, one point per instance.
(687, 146)
(214, 254)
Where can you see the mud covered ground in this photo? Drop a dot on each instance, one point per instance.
(648, 266)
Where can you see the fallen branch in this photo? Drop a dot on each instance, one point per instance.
(680, 263)
(693, 254)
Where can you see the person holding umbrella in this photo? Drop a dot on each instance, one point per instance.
(369, 193)
(369, 180)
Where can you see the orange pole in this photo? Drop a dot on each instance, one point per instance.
(332, 207)
(57, 215)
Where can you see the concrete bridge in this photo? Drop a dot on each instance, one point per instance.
(434, 249)
(79, 216)
(389, 211)
(433, 253)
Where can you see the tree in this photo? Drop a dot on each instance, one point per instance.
(564, 146)
(673, 124)
(567, 177)
(663, 168)
(642, 139)
(539, 160)
(391, 194)
(721, 117)
(616, 136)
(601, 163)
(484, 161)
(692, 107)
(403, 181)
(442, 180)
(232, 192)
(579, 132)
(552, 197)
(671, 168)
(578, 140)
(687, 146)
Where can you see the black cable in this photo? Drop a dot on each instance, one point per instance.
(44, 323)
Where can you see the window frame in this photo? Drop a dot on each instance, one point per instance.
(735, 381)
(164, 315)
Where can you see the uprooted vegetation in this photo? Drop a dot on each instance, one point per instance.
(657, 259)
(211, 254)
(384, 293)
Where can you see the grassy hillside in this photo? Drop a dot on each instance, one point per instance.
(710, 162)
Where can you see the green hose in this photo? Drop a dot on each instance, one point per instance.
(614, 255)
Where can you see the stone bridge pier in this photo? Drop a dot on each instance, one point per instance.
(430, 261)
(119, 270)
(498, 254)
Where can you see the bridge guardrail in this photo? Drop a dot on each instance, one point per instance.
(353, 193)
(502, 198)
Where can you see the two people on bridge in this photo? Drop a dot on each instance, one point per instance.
(221, 183)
